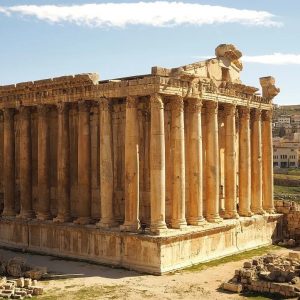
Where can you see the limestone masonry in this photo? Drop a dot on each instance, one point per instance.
(152, 172)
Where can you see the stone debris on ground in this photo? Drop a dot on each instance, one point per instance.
(18, 280)
(270, 273)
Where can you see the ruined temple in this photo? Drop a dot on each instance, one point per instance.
(152, 172)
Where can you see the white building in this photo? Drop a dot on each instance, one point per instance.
(284, 119)
(286, 156)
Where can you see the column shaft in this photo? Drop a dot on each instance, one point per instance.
(230, 163)
(212, 163)
(256, 162)
(84, 164)
(157, 165)
(106, 165)
(194, 154)
(132, 222)
(43, 207)
(178, 177)
(267, 157)
(9, 163)
(26, 211)
(63, 164)
(244, 162)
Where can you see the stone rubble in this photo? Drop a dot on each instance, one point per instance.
(268, 274)
(21, 280)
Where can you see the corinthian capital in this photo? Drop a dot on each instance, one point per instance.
(43, 109)
(84, 106)
(267, 115)
(62, 107)
(104, 104)
(211, 107)
(229, 110)
(156, 101)
(255, 114)
(177, 104)
(194, 105)
(131, 101)
(8, 113)
(244, 112)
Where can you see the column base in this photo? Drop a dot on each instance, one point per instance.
(43, 216)
(158, 228)
(196, 221)
(270, 210)
(132, 227)
(231, 215)
(26, 215)
(178, 224)
(245, 213)
(82, 221)
(258, 211)
(8, 213)
(106, 224)
(62, 218)
(214, 219)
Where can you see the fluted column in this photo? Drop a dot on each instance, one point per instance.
(43, 207)
(132, 222)
(63, 164)
(84, 164)
(26, 211)
(9, 163)
(256, 162)
(244, 162)
(157, 165)
(106, 165)
(212, 163)
(230, 163)
(194, 155)
(178, 176)
(267, 158)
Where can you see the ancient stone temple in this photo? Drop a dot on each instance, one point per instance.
(153, 172)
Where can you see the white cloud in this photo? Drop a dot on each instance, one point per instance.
(274, 59)
(157, 14)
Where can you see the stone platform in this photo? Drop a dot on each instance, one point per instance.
(173, 250)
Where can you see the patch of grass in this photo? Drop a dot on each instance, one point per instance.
(236, 257)
(280, 190)
(287, 176)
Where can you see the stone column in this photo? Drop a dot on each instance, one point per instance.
(84, 164)
(244, 163)
(26, 211)
(212, 163)
(157, 165)
(106, 165)
(43, 207)
(63, 164)
(230, 163)
(178, 176)
(9, 163)
(194, 155)
(256, 163)
(132, 222)
(267, 158)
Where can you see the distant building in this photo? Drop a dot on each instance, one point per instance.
(286, 155)
(284, 120)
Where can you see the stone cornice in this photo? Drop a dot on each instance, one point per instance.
(86, 87)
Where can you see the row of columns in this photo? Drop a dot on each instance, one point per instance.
(254, 166)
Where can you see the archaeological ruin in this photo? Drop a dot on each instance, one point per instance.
(152, 173)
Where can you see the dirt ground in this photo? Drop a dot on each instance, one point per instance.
(79, 280)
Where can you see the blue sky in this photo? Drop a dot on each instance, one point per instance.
(41, 42)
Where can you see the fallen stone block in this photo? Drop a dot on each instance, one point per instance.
(232, 287)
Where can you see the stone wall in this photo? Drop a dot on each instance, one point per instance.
(291, 218)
